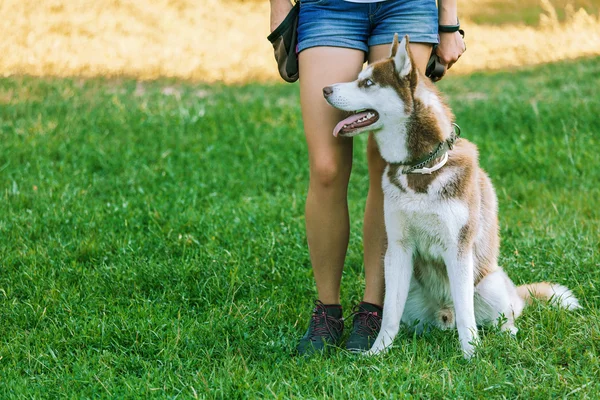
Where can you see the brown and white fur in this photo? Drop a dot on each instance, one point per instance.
(441, 264)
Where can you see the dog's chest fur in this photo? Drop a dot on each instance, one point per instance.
(424, 215)
(431, 216)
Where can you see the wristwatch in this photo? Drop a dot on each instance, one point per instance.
(449, 28)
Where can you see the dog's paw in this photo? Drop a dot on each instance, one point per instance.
(375, 350)
(511, 330)
(469, 347)
(381, 345)
(468, 352)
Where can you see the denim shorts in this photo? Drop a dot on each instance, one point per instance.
(340, 23)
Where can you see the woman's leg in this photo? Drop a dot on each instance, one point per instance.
(374, 236)
(330, 161)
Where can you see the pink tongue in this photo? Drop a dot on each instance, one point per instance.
(347, 121)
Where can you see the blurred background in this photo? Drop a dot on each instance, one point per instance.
(225, 40)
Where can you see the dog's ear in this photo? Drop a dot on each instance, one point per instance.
(394, 47)
(401, 55)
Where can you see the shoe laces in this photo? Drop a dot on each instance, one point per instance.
(369, 322)
(322, 323)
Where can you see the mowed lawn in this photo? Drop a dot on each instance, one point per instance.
(152, 242)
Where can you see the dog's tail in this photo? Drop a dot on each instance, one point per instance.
(550, 292)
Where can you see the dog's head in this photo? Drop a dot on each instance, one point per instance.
(382, 95)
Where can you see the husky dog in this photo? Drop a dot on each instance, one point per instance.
(441, 263)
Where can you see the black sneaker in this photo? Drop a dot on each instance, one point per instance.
(365, 327)
(325, 329)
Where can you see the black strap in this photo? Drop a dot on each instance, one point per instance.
(435, 69)
(449, 28)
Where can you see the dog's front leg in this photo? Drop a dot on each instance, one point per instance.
(398, 273)
(461, 276)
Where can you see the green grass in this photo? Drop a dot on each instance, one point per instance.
(152, 244)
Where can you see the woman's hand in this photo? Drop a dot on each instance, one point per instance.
(450, 48)
(279, 10)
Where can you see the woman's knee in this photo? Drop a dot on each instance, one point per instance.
(329, 173)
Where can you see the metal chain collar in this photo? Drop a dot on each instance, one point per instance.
(440, 150)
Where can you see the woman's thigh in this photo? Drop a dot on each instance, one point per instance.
(334, 36)
(419, 22)
(320, 67)
(332, 41)
(420, 53)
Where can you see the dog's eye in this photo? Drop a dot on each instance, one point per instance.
(369, 82)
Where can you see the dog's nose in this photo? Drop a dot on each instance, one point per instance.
(327, 90)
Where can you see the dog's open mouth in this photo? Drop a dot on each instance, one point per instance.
(359, 119)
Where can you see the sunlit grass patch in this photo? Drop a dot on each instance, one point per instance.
(225, 40)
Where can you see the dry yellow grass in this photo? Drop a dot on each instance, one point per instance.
(219, 40)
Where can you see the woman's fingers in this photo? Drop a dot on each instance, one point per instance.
(450, 48)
